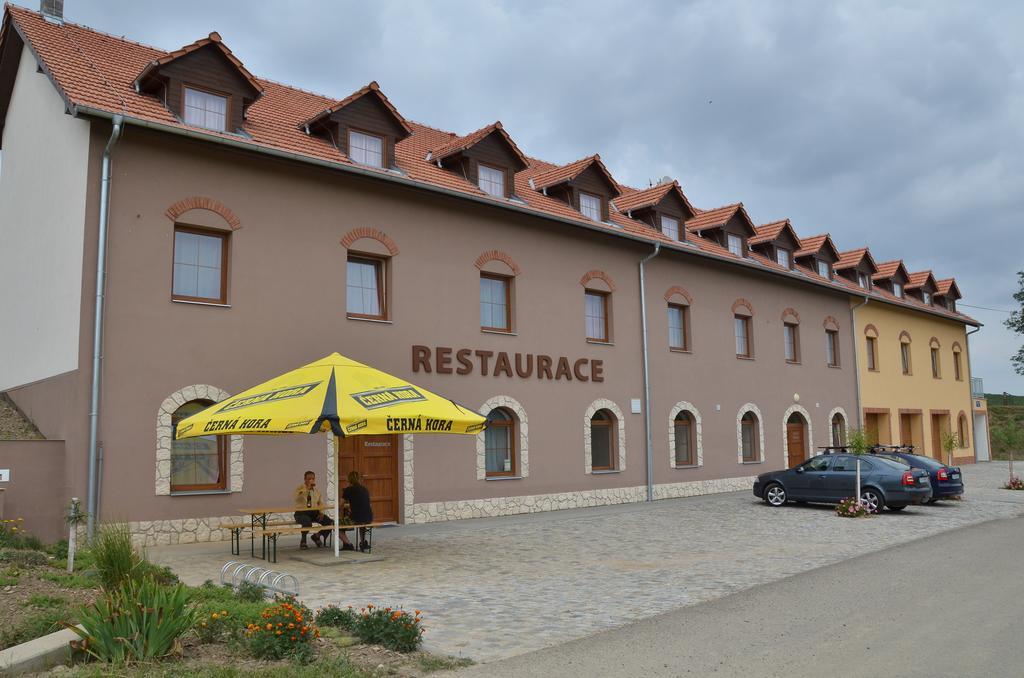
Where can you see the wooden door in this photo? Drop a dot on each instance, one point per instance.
(376, 459)
(937, 436)
(906, 432)
(796, 441)
(872, 427)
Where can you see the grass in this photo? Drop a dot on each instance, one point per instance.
(33, 624)
(323, 668)
(431, 662)
(1000, 416)
(47, 602)
(6, 580)
(70, 581)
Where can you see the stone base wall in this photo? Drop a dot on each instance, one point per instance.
(193, 530)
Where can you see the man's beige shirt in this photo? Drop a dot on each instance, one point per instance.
(316, 499)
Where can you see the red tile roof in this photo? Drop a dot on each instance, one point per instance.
(811, 245)
(560, 175)
(372, 88)
(888, 269)
(852, 259)
(946, 286)
(462, 143)
(95, 74)
(768, 232)
(920, 279)
(212, 39)
(633, 199)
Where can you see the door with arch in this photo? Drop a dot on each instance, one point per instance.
(796, 439)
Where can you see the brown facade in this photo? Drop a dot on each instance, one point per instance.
(286, 305)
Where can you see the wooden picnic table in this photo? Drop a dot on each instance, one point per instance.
(259, 518)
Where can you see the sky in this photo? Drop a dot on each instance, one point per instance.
(899, 125)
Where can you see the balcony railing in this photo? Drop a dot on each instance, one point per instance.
(977, 386)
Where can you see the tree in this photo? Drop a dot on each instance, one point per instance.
(1016, 323)
(950, 441)
(1010, 437)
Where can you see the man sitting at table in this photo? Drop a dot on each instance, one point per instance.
(360, 511)
(309, 509)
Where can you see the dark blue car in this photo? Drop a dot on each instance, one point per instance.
(947, 481)
(830, 478)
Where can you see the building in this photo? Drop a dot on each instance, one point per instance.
(252, 227)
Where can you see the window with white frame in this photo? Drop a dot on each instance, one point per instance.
(863, 280)
(784, 257)
(491, 180)
(824, 270)
(206, 110)
(897, 289)
(927, 298)
(590, 206)
(670, 227)
(366, 149)
(678, 330)
(735, 244)
(744, 344)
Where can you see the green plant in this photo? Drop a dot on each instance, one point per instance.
(283, 631)
(22, 557)
(47, 602)
(13, 535)
(394, 629)
(6, 580)
(70, 581)
(214, 626)
(850, 507)
(115, 556)
(137, 621)
(250, 592)
(239, 615)
(59, 550)
(950, 441)
(161, 574)
(28, 626)
(857, 441)
(211, 592)
(430, 663)
(334, 616)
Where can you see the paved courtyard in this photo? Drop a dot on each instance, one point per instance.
(496, 587)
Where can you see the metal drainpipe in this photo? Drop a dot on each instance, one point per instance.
(92, 501)
(970, 411)
(647, 378)
(856, 363)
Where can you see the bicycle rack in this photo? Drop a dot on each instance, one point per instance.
(235, 572)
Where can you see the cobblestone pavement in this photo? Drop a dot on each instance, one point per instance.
(496, 587)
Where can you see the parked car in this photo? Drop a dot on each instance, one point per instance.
(830, 478)
(947, 481)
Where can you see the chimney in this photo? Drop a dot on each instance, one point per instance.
(52, 10)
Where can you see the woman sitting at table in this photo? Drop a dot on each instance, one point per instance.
(308, 510)
(360, 511)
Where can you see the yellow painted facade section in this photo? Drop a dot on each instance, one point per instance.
(913, 408)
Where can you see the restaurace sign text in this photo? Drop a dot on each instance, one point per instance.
(444, 360)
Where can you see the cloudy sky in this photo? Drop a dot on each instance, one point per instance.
(895, 124)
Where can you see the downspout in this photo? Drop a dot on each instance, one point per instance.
(92, 503)
(647, 377)
(970, 411)
(856, 363)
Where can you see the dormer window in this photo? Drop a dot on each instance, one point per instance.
(735, 244)
(863, 280)
(491, 181)
(784, 257)
(897, 289)
(950, 304)
(670, 227)
(590, 206)
(824, 270)
(926, 298)
(206, 110)
(366, 149)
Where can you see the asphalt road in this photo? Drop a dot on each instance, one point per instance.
(950, 605)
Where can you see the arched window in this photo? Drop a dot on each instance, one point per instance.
(961, 430)
(602, 440)
(685, 439)
(749, 435)
(198, 463)
(499, 443)
(838, 430)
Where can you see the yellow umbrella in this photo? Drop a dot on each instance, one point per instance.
(332, 394)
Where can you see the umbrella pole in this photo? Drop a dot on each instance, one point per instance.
(337, 494)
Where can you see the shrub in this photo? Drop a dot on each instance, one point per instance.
(115, 556)
(214, 626)
(59, 550)
(332, 615)
(394, 629)
(283, 631)
(23, 558)
(1015, 483)
(135, 622)
(239, 615)
(211, 592)
(852, 508)
(161, 574)
(248, 591)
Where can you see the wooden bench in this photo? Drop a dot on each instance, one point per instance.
(272, 532)
(236, 534)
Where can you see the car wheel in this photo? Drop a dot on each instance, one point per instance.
(775, 495)
(898, 508)
(873, 499)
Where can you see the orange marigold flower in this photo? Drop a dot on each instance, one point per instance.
(418, 613)
(291, 625)
(269, 626)
(213, 616)
(277, 633)
(293, 639)
(223, 613)
(369, 607)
